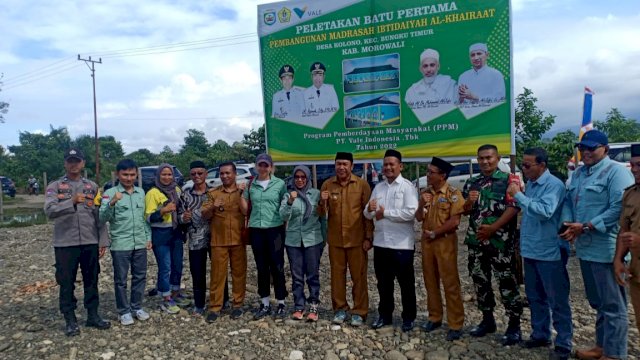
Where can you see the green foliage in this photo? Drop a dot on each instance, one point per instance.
(4, 106)
(618, 127)
(561, 149)
(255, 141)
(531, 123)
(110, 153)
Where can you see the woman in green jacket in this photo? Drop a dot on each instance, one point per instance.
(304, 241)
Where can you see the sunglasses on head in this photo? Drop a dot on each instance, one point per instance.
(589, 148)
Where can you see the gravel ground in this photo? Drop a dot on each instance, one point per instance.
(32, 328)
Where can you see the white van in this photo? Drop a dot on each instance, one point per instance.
(460, 172)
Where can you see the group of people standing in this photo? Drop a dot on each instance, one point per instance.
(350, 219)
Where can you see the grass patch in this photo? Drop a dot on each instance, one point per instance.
(22, 217)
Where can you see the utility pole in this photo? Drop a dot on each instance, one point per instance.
(95, 112)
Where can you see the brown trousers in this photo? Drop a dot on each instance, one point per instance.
(355, 258)
(440, 262)
(221, 257)
(634, 292)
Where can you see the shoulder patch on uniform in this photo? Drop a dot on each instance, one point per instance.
(454, 198)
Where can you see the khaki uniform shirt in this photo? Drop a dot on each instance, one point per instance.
(446, 202)
(347, 227)
(630, 219)
(227, 221)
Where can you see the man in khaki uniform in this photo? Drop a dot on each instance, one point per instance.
(343, 198)
(439, 209)
(629, 236)
(223, 208)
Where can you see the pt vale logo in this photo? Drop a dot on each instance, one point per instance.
(300, 12)
(284, 15)
(270, 17)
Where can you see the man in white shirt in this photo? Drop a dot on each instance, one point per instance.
(434, 94)
(392, 206)
(320, 99)
(481, 84)
(287, 103)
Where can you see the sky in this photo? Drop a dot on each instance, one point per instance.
(150, 92)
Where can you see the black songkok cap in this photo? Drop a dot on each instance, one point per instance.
(635, 150)
(443, 165)
(394, 153)
(344, 156)
(197, 164)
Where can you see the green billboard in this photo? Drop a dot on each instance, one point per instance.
(427, 78)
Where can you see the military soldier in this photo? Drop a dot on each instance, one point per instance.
(491, 244)
(69, 202)
(629, 236)
(287, 103)
(439, 209)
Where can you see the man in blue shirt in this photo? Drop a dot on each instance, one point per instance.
(591, 211)
(546, 278)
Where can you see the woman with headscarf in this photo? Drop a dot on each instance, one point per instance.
(261, 202)
(161, 204)
(304, 241)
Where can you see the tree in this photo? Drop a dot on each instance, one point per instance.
(143, 157)
(110, 153)
(4, 106)
(560, 150)
(618, 127)
(196, 143)
(531, 123)
(255, 141)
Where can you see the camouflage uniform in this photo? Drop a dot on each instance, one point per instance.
(496, 253)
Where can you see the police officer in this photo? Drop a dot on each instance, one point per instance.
(287, 103)
(439, 209)
(69, 202)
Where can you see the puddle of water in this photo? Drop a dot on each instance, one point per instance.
(24, 219)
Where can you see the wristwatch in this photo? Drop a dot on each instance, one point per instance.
(586, 228)
(432, 235)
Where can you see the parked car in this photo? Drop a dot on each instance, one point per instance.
(8, 186)
(245, 172)
(149, 177)
(460, 173)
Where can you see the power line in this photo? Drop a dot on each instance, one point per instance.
(177, 50)
(21, 83)
(55, 64)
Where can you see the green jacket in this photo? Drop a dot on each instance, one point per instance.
(128, 227)
(312, 232)
(265, 203)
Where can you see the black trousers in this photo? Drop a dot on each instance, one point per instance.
(198, 266)
(390, 264)
(67, 261)
(268, 252)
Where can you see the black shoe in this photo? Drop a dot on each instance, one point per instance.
(236, 313)
(212, 317)
(559, 353)
(152, 292)
(407, 325)
(95, 321)
(535, 343)
(71, 328)
(281, 312)
(429, 326)
(454, 335)
(484, 328)
(380, 323)
(262, 312)
(511, 337)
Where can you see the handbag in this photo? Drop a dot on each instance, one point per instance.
(244, 233)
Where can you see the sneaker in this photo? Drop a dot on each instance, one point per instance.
(281, 312)
(212, 316)
(181, 300)
(262, 312)
(313, 313)
(199, 312)
(339, 317)
(126, 319)
(169, 306)
(356, 320)
(141, 315)
(236, 313)
(298, 315)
